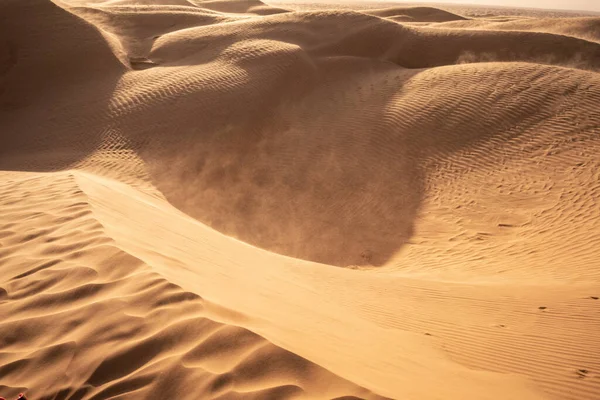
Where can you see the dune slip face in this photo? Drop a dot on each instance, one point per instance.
(230, 199)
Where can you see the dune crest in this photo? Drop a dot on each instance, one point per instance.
(231, 199)
(415, 14)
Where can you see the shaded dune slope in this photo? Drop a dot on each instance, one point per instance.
(136, 27)
(269, 164)
(281, 61)
(238, 149)
(55, 62)
(436, 153)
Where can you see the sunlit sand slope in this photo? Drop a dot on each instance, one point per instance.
(226, 199)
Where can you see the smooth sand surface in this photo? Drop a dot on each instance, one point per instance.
(232, 200)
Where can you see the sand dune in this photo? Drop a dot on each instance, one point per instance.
(80, 306)
(582, 28)
(415, 14)
(227, 199)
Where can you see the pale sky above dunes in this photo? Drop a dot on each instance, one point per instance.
(592, 5)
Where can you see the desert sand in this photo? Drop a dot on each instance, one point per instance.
(237, 200)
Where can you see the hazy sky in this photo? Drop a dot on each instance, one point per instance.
(592, 5)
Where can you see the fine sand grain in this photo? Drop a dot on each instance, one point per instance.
(233, 200)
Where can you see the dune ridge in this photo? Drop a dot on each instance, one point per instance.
(228, 199)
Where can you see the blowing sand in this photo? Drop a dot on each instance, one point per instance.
(229, 200)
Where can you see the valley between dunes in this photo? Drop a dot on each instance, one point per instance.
(231, 199)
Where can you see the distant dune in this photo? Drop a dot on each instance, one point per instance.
(236, 200)
(415, 14)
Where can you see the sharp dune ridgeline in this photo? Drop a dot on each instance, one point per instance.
(238, 200)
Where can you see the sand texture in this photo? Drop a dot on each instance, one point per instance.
(227, 199)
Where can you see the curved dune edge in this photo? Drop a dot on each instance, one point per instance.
(178, 175)
(107, 324)
(104, 240)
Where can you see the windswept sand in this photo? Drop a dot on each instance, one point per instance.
(228, 200)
